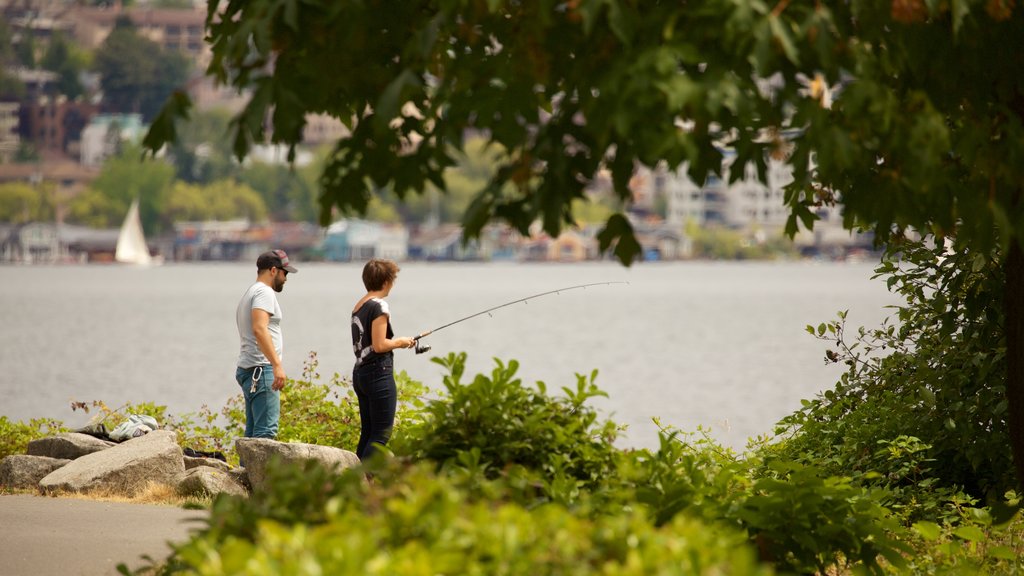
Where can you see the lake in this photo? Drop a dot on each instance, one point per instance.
(714, 344)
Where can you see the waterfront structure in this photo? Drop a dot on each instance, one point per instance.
(50, 243)
(354, 240)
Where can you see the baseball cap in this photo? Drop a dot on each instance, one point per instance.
(275, 259)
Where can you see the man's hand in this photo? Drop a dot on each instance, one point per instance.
(279, 377)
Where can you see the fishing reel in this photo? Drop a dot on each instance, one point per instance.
(420, 346)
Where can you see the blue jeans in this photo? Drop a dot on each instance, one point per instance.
(262, 402)
(378, 397)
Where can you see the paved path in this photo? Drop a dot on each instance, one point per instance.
(43, 536)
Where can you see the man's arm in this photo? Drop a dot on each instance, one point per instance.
(261, 330)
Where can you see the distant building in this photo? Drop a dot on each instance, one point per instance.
(182, 29)
(322, 129)
(744, 203)
(104, 134)
(354, 240)
(54, 124)
(217, 240)
(9, 123)
(49, 243)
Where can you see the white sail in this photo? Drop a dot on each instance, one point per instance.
(131, 243)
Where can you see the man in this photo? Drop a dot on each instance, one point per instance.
(260, 370)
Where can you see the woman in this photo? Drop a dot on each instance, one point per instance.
(373, 340)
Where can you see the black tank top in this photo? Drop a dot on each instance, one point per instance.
(362, 337)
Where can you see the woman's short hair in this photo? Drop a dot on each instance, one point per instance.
(379, 272)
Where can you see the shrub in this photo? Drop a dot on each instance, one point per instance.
(328, 414)
(413, 521)
(935, 382)
(810, 522)
(495, 423)
(15, 436)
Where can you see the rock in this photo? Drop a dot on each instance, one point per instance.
(68, 446)
(24, 471)
(207, 481)
(242, 477)
(257, 452)
(125, 469)
(191, 463)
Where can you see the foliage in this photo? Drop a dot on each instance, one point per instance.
(10, 87)
(972, 541)
(202, 152)
(21, 203)
(286, 193)
(874, 89)
(801, 518)
(62, 58)
(328, 414)
(15, 436)
(501, 423)
(136, 74)
(923, 401)
(123, 178)
(414, 521)
(810, 522)
(720, 243)
(222, 200)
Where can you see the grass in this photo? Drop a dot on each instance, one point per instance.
(153, 493)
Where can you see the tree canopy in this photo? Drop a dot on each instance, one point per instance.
(907, 113)
(136, 75)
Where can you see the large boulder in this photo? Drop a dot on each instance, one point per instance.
(23, 471)
(67, 446)
(208, 481)
(125, 469)
(257, 452)
(192, 462)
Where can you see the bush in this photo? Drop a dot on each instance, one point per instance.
(922, 404)
(495, 424)
(15, 436)
(328, 414)
(413, 521)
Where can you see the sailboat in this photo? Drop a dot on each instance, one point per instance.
(131, 242)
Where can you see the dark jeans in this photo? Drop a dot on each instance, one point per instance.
(378, 397)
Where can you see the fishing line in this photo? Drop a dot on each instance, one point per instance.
(421, 348)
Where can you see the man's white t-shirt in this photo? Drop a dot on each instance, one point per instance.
(260, 296)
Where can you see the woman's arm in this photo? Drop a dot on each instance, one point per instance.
(379, 337)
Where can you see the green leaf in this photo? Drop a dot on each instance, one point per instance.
(619, 232)
(390, 102)
(970, 533)
(1002, 553)
(163, 130)
(928, 530)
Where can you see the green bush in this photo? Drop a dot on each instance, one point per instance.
(810, 522)
(328, 414)
(411, 520)
(922, 404)
(495, 424)
(686, 474)
(15, 436)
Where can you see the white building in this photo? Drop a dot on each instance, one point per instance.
(105, 132)
(745, 203)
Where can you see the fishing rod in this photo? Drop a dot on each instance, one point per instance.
(421, 348)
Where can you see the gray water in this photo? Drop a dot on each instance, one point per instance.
(719, 345)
